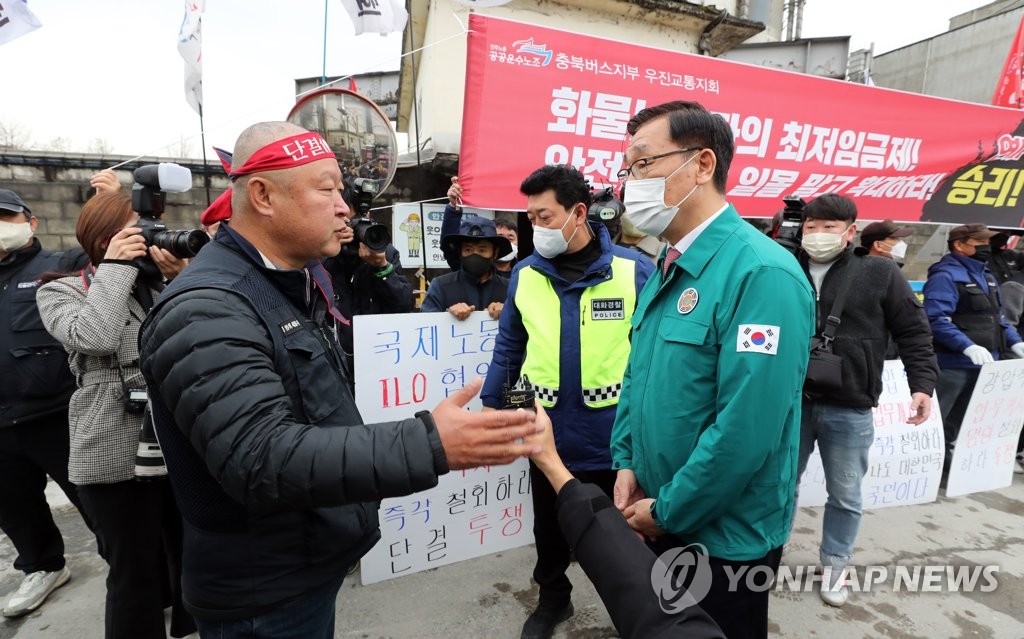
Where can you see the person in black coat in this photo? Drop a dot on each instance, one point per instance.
(278, 479)
(476, 285)
(37, 386)
(620, 565)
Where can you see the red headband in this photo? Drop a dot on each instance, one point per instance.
(286, 153)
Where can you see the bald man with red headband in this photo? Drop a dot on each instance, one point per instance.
(277, 478)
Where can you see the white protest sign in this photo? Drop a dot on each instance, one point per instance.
(987, 444)
(905, 461)
(408, 231)
(408, 363)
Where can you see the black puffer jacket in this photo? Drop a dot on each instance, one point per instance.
(880, 303)
(277, 479)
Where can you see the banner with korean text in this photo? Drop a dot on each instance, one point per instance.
(537, 96)
(987, 444)
(905, 461)
(407, 363)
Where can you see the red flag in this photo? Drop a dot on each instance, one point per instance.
(352, 84)
(1009, 92)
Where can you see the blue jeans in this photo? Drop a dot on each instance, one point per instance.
(844, 437)
(311, 616)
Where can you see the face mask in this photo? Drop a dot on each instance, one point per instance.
(898, 251)
(511, 256)
(475, 265)
(823, 247)
(550, 242)
(982, 253)
(645, 203)
(14, 235)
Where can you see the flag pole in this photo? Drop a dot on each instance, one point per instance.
(206, 170)
(323, 70)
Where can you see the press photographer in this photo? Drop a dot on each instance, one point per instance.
(367, 274)
(96, 314)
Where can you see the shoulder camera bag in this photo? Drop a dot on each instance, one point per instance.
(825, 368)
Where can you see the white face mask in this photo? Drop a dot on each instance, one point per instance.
(823, 247)
(551, 243)
(511, 256)
(645, 203)
(898, 251)
(14, 235)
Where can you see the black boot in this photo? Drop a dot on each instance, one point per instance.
(541, 624)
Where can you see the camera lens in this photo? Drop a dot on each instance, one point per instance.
(181, 244)
(376, 237)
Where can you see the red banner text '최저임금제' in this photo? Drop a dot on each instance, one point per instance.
(539, 96)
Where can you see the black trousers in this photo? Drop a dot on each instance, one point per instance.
(140, 533)
(741, 612)
(28, 453)
(553, 553)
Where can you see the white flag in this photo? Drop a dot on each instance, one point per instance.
(376, 16)
(190, 46)
(16, 20)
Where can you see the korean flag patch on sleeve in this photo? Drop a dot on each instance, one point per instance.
(757, 338)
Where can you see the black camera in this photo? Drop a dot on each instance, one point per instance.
(375, 236)
(149, 195)
(788, 224)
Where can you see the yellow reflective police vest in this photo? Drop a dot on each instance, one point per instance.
(604, 323)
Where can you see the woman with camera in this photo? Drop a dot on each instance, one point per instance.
(96, 315)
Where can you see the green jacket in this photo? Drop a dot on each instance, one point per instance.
(709, 416)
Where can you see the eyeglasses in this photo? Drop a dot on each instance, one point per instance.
(639, 168)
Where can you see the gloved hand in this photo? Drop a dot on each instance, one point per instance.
(1018, 349)
(978, 355)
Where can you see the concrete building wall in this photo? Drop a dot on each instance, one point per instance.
(962, 64)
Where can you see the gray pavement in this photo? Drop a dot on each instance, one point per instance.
(491, 596)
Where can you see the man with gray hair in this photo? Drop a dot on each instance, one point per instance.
(278, 479)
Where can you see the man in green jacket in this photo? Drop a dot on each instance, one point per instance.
(706, 436)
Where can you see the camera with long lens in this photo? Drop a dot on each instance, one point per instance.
(788, 224)
(375, 236)
(149, 196)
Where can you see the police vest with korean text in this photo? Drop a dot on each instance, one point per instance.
(605, 313)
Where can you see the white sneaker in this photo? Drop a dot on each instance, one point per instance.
(1017, 468)
(34, 590)
(834, 596)
(832, 592)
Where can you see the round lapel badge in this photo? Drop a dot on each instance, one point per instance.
(688, 301)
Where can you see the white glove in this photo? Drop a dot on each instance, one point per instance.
(978, 355)
(1018, 349)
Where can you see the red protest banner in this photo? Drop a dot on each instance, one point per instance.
(536, 95)
(1009, 89)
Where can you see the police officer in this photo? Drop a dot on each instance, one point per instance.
(565, 327)
(34, 393)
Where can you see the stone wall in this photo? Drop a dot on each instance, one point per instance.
(55, 185)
